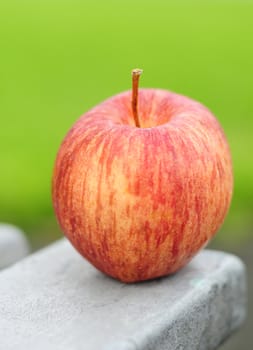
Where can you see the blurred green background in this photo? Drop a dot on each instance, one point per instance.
(60, 58)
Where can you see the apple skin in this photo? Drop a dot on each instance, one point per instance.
(139, 203)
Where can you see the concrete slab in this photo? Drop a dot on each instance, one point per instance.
(14, 245)
(56, 300)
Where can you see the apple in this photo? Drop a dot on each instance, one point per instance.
(142, 182)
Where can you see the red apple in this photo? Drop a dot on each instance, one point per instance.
(142, 182)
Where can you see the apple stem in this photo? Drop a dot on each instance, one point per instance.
(135, 82)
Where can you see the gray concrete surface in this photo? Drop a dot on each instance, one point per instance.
(55, 300)
(13, 245)
(242, 340)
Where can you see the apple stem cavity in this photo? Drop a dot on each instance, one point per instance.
(136, 73)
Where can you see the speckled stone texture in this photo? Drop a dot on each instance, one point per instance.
(13, 245)
(55, 300)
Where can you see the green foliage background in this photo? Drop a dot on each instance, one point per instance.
(59, 58)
